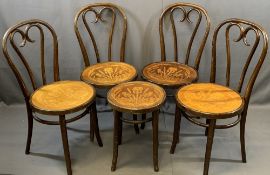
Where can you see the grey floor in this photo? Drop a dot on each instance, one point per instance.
(135, 155)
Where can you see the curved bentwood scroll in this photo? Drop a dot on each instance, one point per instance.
(98, 11)
(244, 27)
(185, 10)
(21, 31)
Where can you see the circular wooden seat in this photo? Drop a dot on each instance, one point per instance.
(136, 97)
(210, 100)
(108, 74)
(62, 97)
(169, 73)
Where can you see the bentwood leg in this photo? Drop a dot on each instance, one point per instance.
(143, 118)
(95, 123)
(115, 140)
(155, 139)
(211, 132)
(120, 127)
(65, 143)
(177, 123)
(91, 126)
(242, 137)
(30, 128)
(206, 129)
(136, 127)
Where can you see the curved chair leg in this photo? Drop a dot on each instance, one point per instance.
(115, 139)
(65, 143)
(155, 140)
(242, 138)
(143, 118)
(95, 123)
(30, 129)
(210, 137)
(120, 127)
(206, 129)
(176, 131)
(136, 127)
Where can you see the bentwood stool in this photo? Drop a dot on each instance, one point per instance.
(58, 98)
(136, 97)
(109, 72)
(179, 72)
(217, 102)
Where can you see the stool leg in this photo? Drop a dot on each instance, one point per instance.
(177, 123)
(115, 139)
(143, 118)
(120, 128)
(136, 127)
(155, 139)
(211, 132)
(65, 143)
(93, 112)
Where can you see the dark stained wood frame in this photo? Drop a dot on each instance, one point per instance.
(244, 27)
(23, 29)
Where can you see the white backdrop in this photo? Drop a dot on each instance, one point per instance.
(142, 44)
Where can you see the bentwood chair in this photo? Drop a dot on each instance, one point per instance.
(136, 97)
(216, 102)
(173, 74)
(57, 98)
(109, 72)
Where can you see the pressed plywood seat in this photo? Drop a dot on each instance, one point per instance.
(136, 97)
(108, 74)
(169, 73)
(209, 99)
(62, 97)
(216, 102)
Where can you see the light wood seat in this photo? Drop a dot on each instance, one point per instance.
(209, 99)
(108, 74)
(169, 73)
(62, 97)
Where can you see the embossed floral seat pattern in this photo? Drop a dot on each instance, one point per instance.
(169, 73)
(108, 73)
(136, 96)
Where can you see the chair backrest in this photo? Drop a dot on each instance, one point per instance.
(10, 45)
(186, 9)
(244, 27)
(98, 9)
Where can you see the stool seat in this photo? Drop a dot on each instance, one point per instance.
(136, 97)
(108, 74)
(169, 73)
(62, 97)
(210, 100)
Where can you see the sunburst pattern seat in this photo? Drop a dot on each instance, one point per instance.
(108, 74)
